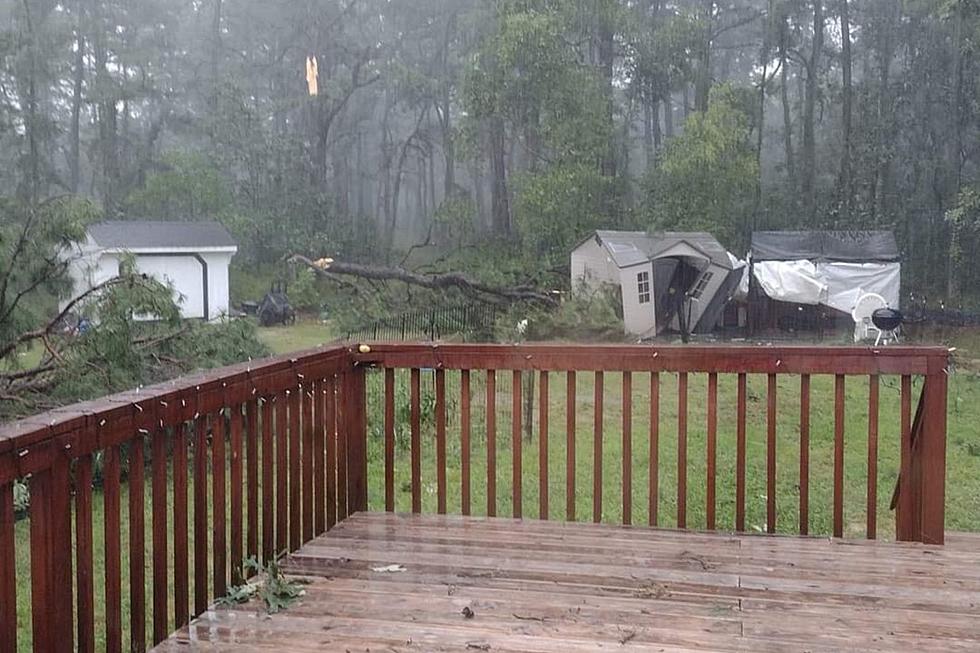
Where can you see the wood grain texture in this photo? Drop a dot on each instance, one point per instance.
(712, 454)
(137, 546)
(389, 427)
(542, 586)
(544, 402)
(597, 434)
(465, 421)
(804, 454)
(415, 424)
(653, 491)
(571, 409)
(8, 574)
(516, 443)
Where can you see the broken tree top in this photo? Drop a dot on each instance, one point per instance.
(844, 246)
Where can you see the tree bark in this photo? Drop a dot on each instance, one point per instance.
(439, 281)
(499, 201)
(787, 113)
(702, 87)
(846, 185)
(74, 153)
(809, 112)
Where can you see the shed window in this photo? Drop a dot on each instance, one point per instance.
(643, 287)
(702, 283)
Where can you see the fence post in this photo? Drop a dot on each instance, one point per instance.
(930, 456)
(355, 415)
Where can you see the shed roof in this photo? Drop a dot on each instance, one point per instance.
(628, 248)
(153, 234)
(843, 246)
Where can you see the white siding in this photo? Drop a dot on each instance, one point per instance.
(591, 265)
(183, 272)
(219, 300)
(638, 319)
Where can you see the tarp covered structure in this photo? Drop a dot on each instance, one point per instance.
(829, 268)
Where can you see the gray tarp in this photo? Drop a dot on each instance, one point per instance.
(842, 246)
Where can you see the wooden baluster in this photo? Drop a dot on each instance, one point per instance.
(159, 524)
(282, 473)
(252, 479)
(137, 546)
(627, 448)
(180, 526)
(8, 573)
(570, 433)
(416, 433)
(390, 439)
(51, 547)
(839, 455)
(113, 551)
(330, 412)
(236, 494)
(464, 441)
(805, 454)
(740, 453)
(295, 469)
(200, 514)
(771, 455)
(342, 404)
(654, 489)
(84, 558)
(517, 448)
(712, 451)
(219, 556)
(873, 390)
(491, 443)
(268, 483)
(319, 457)
(543, 447)
(682, 450)
(441, 441)
(306, 456)
(599, 394)
(355, 391)
(905, 528)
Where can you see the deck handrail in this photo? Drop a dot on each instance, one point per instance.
(281, 447)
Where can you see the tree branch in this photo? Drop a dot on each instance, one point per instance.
(439, 281)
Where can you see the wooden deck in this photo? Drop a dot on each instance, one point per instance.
(545, 587)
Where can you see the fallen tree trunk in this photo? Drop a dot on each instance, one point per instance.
(439, 281)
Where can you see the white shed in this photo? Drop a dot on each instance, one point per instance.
(675, 280)
(192, 257)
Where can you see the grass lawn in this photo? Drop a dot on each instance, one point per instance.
(299, 336)
(963, 484)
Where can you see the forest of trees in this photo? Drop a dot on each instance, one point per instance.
(515, 124)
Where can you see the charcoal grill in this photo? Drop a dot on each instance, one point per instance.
(887, 321)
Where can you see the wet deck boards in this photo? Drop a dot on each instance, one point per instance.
(545, 587)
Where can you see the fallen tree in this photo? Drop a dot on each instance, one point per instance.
(327, 267)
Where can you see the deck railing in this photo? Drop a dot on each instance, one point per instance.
(260, 458)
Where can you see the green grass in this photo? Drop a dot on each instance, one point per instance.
(296, 337)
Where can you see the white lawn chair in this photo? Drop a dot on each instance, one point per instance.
(866, 305)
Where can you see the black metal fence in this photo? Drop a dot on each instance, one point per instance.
(472, 323)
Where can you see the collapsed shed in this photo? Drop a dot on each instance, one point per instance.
(810, 280)
(669, 280)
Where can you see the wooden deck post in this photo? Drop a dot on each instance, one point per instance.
(930, 455)
(355, 414)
